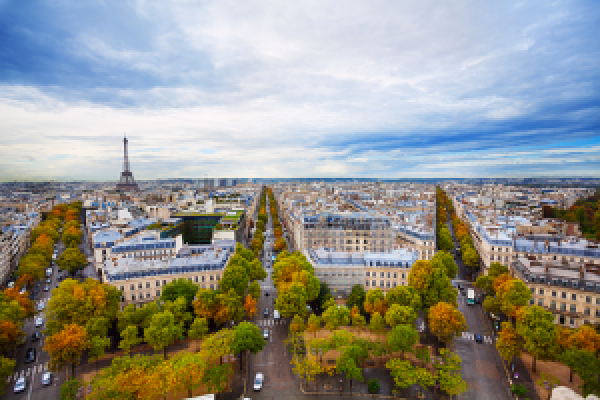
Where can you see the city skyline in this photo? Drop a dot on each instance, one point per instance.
(266, 90)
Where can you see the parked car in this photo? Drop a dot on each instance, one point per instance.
(478, 338)
(266, 293)
(30, 355)
(258, 381)
(47, 379)
(266, 334)
(46, 288)
(39, 321)
(276, 314)
(35, 336)
(266, 313)
(41, 306)
(20, 385)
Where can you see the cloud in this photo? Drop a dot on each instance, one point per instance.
(264, 88)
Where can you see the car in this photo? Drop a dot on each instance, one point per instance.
(35, 336)
(20, 385)
(39, 321)
(266, 293)
(266, 334)
(46, 288)
(258, 381)
(276, 314)
(47, 378)
(41, 305)
(478, 338)
(266, 313)
(22, 291)
(48, 281)
(477, 300)
(30, 355)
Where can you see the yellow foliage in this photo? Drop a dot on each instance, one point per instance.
(420, 274)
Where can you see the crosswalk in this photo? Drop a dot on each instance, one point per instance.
(270, 322)
(471, 336)
(29, 371)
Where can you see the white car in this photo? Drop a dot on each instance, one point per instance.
(39, 321)
(20, 385)
(41, 306)
(266, 334)
(258, 381)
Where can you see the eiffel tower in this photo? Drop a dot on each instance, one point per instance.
(127, 183)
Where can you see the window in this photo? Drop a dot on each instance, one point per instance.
(133, 297)
(212, 286)
(164, 282)
(572, 321)
(157, 283)
(553, 305)
(202, 278)
(531, 301)
(139, 285)
(218, 276)
(395, 275)
(553, 293)
(212, 278)
(122, 288)
(587, 311)
(147, 285)
(564, 295)
(388, 275)
(131, 287)
(403, 276)
(374, 283)
(541, 291)
(533, 290)
(541, 302)
(588, 299)
(561, 320)
(394, 284)
(157, 293)
(147, 295)
(367, 283)
(382, 275)
(563, 306)
(196, 279)
(368, 273)
(598, 301)
(381, 283)
(573, 308)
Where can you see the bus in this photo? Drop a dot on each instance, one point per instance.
(470, 297)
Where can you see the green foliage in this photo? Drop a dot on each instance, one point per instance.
(179, 309)
(129, 338)
(587, 366)
(357, 298)
(7, 367)
(336, 316)
(377, 323)
(69, 389)
(373, 386)
(324, 295)
(402, 338)
(448, 373)
(398, 314)
(254, 290)
(292, 301)
(536, 327)
(198, 329)
(518, 389)
(297, 324)
(178, 288)
(72, 260)
(443, 259)
(234, 277)
(162, 331)
(404, 296)
(444, 239)
(247, 336)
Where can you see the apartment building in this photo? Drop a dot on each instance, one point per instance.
(342, 270)
(570, 290)
(345, 232)
(141, 281)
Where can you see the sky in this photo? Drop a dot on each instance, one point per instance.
(383, 89)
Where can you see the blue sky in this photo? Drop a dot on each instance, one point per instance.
(382, 89)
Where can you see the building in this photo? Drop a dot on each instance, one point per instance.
(344, 232)
(141, 281)
(571, 291)
(342, 270)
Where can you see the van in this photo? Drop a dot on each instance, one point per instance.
(276, 314)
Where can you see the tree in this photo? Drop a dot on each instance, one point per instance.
(72, 260)
(247, 338)
(443, 259)
(586, 338)
(398, 314)
(336, 316)
(404, 296)
(446, 322)
(536, 326)
(402, 338)
(359, 321)
(235, 277)
(250, 306)
(9, 334)
(513, 295)
(187, 371)
(7, 367)
(179, 288)
(432, 284)
(306, 367)
(129, 338)
(297, 324)
(448, 373)
(205, 303)
(254, 290)
(292, 301)
(71, 236)
(198, 329)
(65, 347)
(69, 389)
(313, 324)
(509, 343)
(587, 366)
(375, 302)
(179, 309)
(377, 323)
(162, 331)
(357, 298)
(324, 296)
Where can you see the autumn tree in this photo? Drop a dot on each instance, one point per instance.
(313, 324)
(357, 298)
(432, 284)
(509, 344)
(297, 324)
(71, 236)
(377, 323)
(513, 294)
(536, 327)
(375, 302)
(66, 346)
(586, 338)
(336, 316)
(446, 322)
(250, 306)
(445, 260)
(448, 373)
(198, 329)
(162, 331)
(7, 367)
(254, 290)
(292, 301)
(398, 314)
